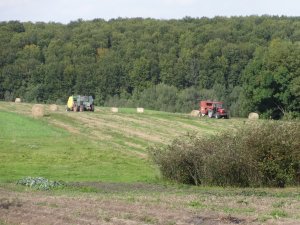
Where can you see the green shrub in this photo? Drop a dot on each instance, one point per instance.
(257, 154)
(275, 147)
(182, 160)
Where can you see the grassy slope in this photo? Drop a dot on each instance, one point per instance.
(89, 146)
(31, 147)
(108, 147)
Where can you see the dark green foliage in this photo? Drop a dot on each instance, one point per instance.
(163, 97)
(271, 79)
(251, 63)
(259, 154)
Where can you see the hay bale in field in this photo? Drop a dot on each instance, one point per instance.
(253, 116)
(53, 107)
(140, 110)
(18, 100)
(38, 110)
(195, 113)
(114, 109)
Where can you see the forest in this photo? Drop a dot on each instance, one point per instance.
(251, 63)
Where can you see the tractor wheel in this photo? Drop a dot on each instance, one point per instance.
(210, 114)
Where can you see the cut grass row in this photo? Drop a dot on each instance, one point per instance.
(107, 146)
(101, 151)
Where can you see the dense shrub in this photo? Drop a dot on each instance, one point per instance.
(257, 154)
(183, 160)
(275, 147)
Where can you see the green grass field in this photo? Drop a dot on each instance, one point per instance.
(104, 156)
(31, 147)
(100, 146)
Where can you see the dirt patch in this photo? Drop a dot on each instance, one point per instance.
(6, 203)
(206, 220)
(44, 208)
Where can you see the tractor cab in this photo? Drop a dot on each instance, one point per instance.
(80, 103)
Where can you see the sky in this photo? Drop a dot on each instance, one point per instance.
(64, 11)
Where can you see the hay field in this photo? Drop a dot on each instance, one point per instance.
(103, 156)
(127, 130)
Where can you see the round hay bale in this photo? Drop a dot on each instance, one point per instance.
(195, 113)
(38, 110)
(53, 107)
(140, 110)
(18, 100)
(114, 109)
(253, 116)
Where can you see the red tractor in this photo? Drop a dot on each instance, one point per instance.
(213, 109)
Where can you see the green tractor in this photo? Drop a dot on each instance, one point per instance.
(80, 103)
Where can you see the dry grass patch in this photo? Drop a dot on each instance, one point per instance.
(147, 204)
(53, 107)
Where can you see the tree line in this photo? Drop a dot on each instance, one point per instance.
(251, 63)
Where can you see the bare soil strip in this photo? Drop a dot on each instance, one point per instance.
(43, 208)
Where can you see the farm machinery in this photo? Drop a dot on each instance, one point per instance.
(213, 109)
(80, 103)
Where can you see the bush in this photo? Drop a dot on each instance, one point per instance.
(257, 154)
(291, 116)
(275, 147)
(183, 160)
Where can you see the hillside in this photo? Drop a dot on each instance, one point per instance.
(114, 145)
(251, 63)
(102, 156)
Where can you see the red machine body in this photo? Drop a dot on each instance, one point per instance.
(213, 109)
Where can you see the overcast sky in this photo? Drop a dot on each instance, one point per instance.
(65, 11)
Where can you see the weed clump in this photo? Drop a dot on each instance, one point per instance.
(40, 183)
(257, 154)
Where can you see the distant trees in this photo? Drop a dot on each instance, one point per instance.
(276, 70)
(251, 63)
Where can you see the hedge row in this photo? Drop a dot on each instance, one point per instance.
(258, 154)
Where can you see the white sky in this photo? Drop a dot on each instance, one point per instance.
(65, 11)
